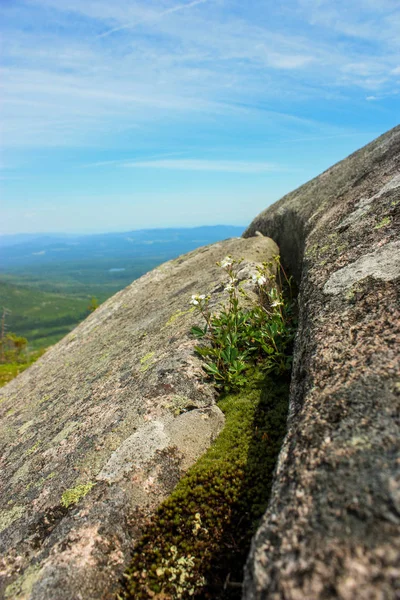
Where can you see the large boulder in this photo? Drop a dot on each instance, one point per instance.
(98, 432)
(332, 527)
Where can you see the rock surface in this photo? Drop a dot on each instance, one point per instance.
(98, 432)
(332, 527)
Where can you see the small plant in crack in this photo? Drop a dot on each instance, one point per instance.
(244, 332)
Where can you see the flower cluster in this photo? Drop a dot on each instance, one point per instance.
(180, 573)
(198, 299)
(241, 337)
(259, 279)
(226, 263)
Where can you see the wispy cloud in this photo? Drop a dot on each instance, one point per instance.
(153, 17)
(226, 166)
(69, 82)
(146, 99)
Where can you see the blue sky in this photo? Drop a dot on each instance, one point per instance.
(154, 113)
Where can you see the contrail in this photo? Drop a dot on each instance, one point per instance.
(155, 17)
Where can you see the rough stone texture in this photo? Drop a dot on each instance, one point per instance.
(332, 526)
(117, 410)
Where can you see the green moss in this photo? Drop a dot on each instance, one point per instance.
(74, 495)
(202, 532)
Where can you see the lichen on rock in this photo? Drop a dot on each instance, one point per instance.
(74, 495)
(83, 414)
(200, 535)
(331, 528)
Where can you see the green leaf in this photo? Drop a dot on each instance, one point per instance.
(198, 331)
(213, 370)
(203, 350)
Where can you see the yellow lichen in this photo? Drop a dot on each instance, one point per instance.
(176, 316)
(179, 405)
(9, 516)
(22, 587)
(146, 362)
(33, 448)
(74, 495)
(383, 223)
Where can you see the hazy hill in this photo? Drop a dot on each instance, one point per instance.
(46, 280)
(42, 317)
(40, 249)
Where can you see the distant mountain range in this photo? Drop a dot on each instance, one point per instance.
(47, 280)
(24, 250)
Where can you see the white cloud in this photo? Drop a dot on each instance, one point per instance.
(153, 17)
(68, 81)
(206, 165)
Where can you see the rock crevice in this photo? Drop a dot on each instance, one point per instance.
(331, 529)
(97, 433)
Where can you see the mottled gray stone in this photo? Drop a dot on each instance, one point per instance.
(364, 205)
(382, 264)
(331, 530)
(118, 410)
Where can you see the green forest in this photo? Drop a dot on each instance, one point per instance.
(49, 284)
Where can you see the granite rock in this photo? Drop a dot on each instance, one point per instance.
(98, 431)
(332, 526)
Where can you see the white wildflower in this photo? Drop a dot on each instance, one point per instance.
(259, 279)
(226, 262)
(197, 299)
(276, 303)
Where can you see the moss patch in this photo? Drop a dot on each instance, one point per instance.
(197, 543)
(74, 495)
